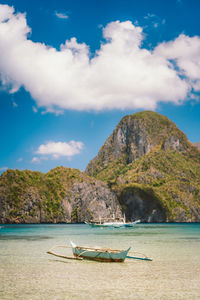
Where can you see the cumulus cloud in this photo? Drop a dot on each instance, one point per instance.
(59, 149)
(184, 53)
(121, 74)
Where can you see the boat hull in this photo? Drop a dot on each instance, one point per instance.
(114, 224)
(101, 259)
(102, 255)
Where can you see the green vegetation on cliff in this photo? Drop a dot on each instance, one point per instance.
(153, 160)
(27, 196)
(135, 136)
(61, 195)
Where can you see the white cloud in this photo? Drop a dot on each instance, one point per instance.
(61, 15)
(59, 149)
(20, 159)
(184, 52)
(122, 74)
(6, 12)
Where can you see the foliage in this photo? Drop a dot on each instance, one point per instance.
(36, 193)
(173, 175)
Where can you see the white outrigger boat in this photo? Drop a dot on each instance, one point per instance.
(98, 254)
(115, 223)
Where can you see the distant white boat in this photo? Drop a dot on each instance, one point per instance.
(115, 224)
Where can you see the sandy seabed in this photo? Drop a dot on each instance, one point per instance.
(27, 272)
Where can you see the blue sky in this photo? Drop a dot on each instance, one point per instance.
(70, 70)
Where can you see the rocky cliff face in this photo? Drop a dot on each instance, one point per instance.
(135, 136)
(91, 201)
(142, 204)
(61, 195)
(153, 167)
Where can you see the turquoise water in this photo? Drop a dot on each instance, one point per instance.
(27, 272)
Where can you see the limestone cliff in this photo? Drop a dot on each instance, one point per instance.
(153, 167)
(61, 195)
(135, 136)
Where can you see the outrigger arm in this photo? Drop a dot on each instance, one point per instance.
(142, 258)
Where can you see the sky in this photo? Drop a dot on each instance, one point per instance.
(71, 69)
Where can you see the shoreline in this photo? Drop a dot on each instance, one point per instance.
(82, 223)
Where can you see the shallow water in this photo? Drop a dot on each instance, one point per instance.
(27, 272)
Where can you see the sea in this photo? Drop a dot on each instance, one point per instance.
(28, 272)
